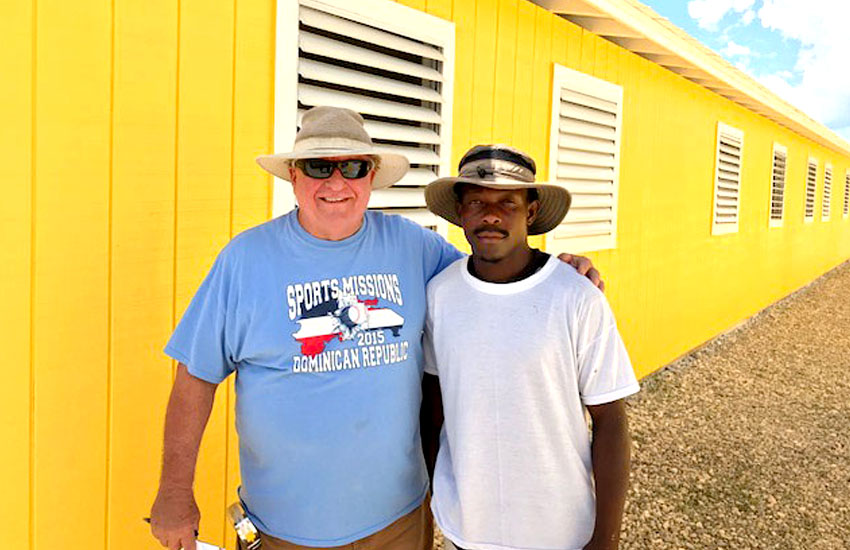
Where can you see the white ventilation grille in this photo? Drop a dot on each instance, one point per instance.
(585, 157)
(777, 187)
(811, 185)
(392, 64)
(727, 179)
(847, 194)
(827, 193)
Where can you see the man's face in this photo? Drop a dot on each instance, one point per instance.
(332, 208)
(495, 221)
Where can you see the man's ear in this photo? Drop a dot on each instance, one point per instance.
(533, 210)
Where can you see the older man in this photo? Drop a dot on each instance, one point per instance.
(320, 312)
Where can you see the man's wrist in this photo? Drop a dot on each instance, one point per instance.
(170, 486)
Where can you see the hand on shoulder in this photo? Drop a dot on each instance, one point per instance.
(584, 266)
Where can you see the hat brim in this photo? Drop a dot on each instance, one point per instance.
(554, 200)
(391, 166)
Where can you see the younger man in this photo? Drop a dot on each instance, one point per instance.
(534, 346)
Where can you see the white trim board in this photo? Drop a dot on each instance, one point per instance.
(727, 136)
(584, 157)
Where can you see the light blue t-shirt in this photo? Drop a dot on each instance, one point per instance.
(325, 338)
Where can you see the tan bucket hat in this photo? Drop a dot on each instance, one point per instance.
(499, 167)
(336, 132)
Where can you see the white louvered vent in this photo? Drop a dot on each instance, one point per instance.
(811, 185)
(777, 187)
(827, 193)
(727, 179)
(585, 157)
(392, 64)
(846, 194)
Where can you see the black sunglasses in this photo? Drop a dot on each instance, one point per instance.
(322, 169)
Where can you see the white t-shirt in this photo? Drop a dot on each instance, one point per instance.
(517, 363)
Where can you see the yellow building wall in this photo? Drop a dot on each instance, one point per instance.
(129, 135)
(671, 283)
(127, 153)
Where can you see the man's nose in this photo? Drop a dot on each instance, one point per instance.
(490, 214)
(336, 181)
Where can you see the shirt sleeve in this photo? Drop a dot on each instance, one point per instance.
(201, 340)
(604, 369)
(439, 254)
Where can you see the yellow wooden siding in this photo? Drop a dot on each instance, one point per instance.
(128, 157)
(71, 270)
(16, 169)
(142, 258)
(504, 66)
(672, 284)
(521, 129)
(483, 71)
(204, 140)
(128, 162)
(439, 8)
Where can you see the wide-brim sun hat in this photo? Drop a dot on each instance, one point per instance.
(499, 167)
(336, 132)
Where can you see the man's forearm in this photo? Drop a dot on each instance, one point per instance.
(431, 421)
(185, 420)
(611, 455)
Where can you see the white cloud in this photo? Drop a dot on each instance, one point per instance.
(748, 17)
(743, 67)
(708, 13)
(736, 50)
(823, 90)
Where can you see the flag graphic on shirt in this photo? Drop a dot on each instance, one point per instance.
(343, 317)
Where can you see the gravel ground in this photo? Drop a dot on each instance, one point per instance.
(745, 443)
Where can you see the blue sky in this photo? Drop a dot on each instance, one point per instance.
(797, 48)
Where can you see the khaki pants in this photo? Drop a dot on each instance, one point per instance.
(415, 531)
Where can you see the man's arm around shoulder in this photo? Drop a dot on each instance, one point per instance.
(611, 456)
(175, 515)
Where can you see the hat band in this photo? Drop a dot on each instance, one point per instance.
(499, 154)
(329, 145)
(492, 169)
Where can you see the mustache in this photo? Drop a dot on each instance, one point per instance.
(490, 228)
